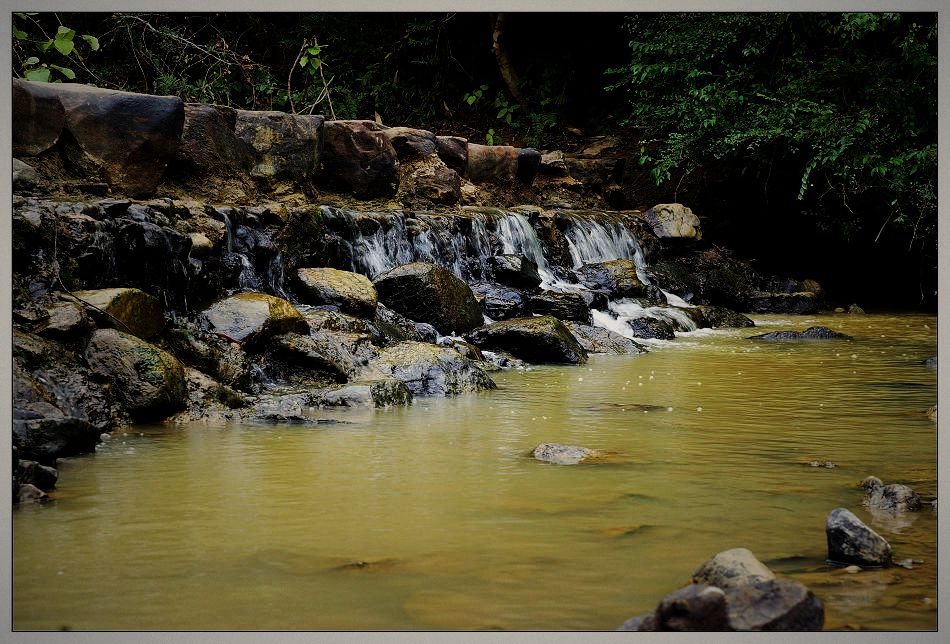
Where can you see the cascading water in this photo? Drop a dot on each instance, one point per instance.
(247, 279)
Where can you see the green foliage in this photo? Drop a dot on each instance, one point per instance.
(475, 95)
(31, 38)
(848, 99)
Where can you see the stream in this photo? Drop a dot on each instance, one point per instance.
(434, 517)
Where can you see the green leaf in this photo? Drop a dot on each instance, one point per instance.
(303, 61)
(43, 46)
(93, 42)
(32, 60)
(314, 51)
(470, 99)
(65, 33)
(19, 35)
(38, 74)
(65, 47)
(65, 71)
(20, 15)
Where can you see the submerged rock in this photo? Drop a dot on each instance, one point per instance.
(888, 498)
(44, 439)
(811, 333)
(542, 339)
(774, 605)
(563, 454)
(42, 476)
(384, 392)
(28, 493)
(428, 369)
(650, 328)
(719, 317)
(351, 292)
(850, 541)
(429, 293)
(149, 382)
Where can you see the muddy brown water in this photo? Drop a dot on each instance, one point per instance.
(433, 517)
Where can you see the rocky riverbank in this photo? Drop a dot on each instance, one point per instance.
(191, 262)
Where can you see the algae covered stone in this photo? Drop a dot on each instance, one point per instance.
(252, 318)
(543, 339)
(127, 309)
(428, 293)
(351, 292)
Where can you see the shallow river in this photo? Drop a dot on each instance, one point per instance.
(433, 517)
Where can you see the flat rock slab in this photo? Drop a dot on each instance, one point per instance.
(254, 317)
(351, 292)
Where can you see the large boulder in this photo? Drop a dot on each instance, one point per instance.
(25, 176)
(131, 137)
(514, 270)
(542, 339)
(212, 158)
(719, 317)
(453, 151)
(650, 328)
(774, 605)
(618, 277)
(350, 292)
(811, 333)
(850, 541)
(66, 321)
(673, 221)
(428, 370)
(286, 146)
(502, 163)
(429, 178)
(696, 607)
(597, 339)
(428, 293)
(38, 117)
(126, 309)
(359, 158)
(731, 569)
(411, 143)
(149, 382)
(562, 305)
(44, 439)
(253, 318)
(892, 498)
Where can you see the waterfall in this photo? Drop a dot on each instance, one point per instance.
(247, 279)
(592, 241)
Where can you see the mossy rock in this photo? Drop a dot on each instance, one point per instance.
(543, 339)
(350, 292)
(126, 309)
(428, 293)
(253, 318)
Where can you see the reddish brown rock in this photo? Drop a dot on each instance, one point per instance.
(358, 157)
(38, 117)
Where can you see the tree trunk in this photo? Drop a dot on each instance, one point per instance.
(507, 70)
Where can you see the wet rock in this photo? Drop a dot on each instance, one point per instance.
(149, 382)
(553, 163)
(931, 362)
(802, 303)
(66, 321)
(497, 360)
(596, 339)
(542, 339)
(132, 137)
(208, 399)
(850, 541)
(385, 392)
(45, 439)
(351, 292)
(395, 327)
(286, 147)
(529, 160)
(332, 320)
(411, 143)
(428, 293)
(641, 623)
(500, 302)
(127, 309)
(252, 318)
(888, 498)
(562, 305)
(305, 351)
(811, 333)
(359, 158)
(649, 328)
(696, 607)
(932, 413)
(595, 174)
(464, 348)
(731, 569)
(514, 270)
(25, 177)
(618, 277)
(719, 317)
(674, 221)
(31, 494)
(38, 117)
(774, 605)
(825, 464)
(453, 151)
(42, 476)
(428, 370)
(154, 258)
(564, 454)
(854, 309)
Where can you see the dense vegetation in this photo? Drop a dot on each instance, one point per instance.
(820, 127)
